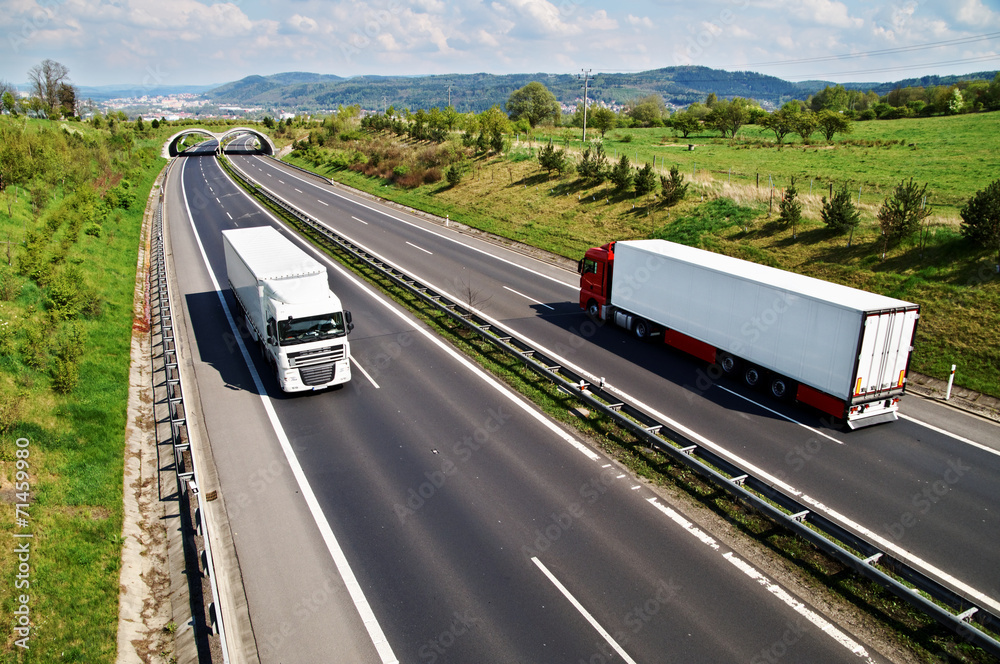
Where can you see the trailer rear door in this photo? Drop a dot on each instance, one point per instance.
(884, 354)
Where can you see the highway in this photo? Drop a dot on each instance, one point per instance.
(923, 488)
(424, 513)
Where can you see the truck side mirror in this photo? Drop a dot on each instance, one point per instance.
(271, 331)
(349, 320)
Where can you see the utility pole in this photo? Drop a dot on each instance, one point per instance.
(586, 78)
(449, 95)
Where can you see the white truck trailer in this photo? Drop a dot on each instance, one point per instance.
(290, 311)
(841, 350)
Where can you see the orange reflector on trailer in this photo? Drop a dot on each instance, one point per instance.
(857, 390)
(902, 377)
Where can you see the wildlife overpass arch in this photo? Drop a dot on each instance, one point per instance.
(170, 147)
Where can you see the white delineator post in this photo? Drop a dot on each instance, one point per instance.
(951, 380)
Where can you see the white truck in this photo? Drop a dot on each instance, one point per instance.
(290, 311)
(841, 350)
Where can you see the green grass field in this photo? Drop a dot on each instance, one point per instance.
(955, 283)
(74, 433)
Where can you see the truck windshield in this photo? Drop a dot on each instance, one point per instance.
(313, 328)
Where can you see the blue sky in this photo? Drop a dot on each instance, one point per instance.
(177, 42)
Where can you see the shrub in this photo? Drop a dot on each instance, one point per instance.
(453, 175)
(790, 210)
(901, 214)
(674, 189)
(65, 363)
(981, 218)
(839, 213)
(92, 229)
(432, 175)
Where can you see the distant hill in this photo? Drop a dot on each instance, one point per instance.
(679, 86)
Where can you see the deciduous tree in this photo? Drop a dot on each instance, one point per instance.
(47, 80)
(534, 102)
(602, 119)
(831, 122)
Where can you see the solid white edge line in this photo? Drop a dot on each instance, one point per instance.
(333, 546)
(751, 468)
(770, 586)
(586, 614)
(514, 398)
(950, 434)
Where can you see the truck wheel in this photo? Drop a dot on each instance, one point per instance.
(594, 310)
(752, 376)
(781, 387)
(727, 363)
(642, 329)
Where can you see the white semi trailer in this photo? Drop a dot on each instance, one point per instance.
(841, 350)
(290, 311)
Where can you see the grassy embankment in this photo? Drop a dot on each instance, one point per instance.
(725, 210)
(71, 231)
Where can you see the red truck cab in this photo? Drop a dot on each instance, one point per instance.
(595, 278)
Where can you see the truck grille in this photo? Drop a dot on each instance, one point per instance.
(318, 374)
(316, 357)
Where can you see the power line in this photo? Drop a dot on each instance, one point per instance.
(879, 70)
(885, 51)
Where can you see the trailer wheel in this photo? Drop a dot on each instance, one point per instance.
(727, 363)
(642, 329)
(781, 387)
(752, 376)
(594, 310)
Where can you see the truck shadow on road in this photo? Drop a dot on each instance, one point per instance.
(216, 345)
(686, 380)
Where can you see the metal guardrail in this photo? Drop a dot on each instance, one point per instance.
(168, 395)
(949, 608)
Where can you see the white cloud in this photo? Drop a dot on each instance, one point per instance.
(973, 13)
(823, 13)
(301, 24)
(599, 20)
(639, 22)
